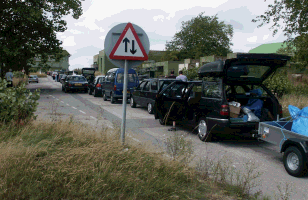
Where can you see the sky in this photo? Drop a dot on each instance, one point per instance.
(160, 19)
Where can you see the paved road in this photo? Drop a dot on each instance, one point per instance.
(143, 128)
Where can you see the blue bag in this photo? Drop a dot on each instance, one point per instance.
(300, 120)
(255, 105)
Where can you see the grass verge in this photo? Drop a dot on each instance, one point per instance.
(68, 160)
(299, 101)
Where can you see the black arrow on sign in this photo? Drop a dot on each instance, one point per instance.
(126, 41)
(133, 51)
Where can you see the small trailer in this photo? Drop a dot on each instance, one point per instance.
(293, 145)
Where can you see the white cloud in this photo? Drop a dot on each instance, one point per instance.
(75, 31)
(161, 17)
(87, 34)
(252, 39)
(69, 41)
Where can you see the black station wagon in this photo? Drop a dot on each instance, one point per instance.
(231, 95)
(145, 93)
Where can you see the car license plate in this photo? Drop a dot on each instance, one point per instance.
(78, 84)
(127, 91)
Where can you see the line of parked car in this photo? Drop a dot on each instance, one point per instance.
(231, 94)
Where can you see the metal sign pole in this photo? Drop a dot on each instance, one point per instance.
(124, 103)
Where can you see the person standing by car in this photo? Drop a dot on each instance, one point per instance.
(171, 75)
(181, 77)
(9, 78)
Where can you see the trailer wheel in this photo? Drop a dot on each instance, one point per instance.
(293, 161)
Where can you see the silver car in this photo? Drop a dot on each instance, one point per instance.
(33, 78)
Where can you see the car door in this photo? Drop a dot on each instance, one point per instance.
(170, 102)
(212, 98)
(151, 96)
(137, 92)
(144, 92)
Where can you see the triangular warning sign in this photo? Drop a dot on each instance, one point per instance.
(129, 46)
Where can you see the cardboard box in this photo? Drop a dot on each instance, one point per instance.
(234, 111)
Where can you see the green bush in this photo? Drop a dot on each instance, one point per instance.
(18, 74)
(279, 84)
(17, 104)
(192, 73)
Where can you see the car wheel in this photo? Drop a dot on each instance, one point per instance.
(132, 102)
(293, 161)
(104, 97)
(85, 91)
(65, 90)
(112, 99)
(62, 89)
(203, 132)
(89, 91)
(150, 108)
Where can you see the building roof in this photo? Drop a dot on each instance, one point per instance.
(268, 48)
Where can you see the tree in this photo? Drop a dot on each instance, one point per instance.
(200, 36)
(28, 28)
(293, 13)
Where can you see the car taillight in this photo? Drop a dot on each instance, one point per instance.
(98, 85)
(86, 85)
(224, 110)
(70, 85)
(114, 87)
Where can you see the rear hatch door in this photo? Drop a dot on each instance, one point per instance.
(252, 68)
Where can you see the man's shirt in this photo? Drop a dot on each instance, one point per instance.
(9, 76)
(182, 77)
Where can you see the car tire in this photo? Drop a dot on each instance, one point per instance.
(132, 103)
(85, 91)
(104, 97)
(62, 89)
(89, 91)
(203, 132)
(112, 99)
(294, 163)
(65, 90)
(150, 108)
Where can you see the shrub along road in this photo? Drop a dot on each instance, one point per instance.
(144, 129)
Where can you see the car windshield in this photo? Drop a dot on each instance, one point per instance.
(132, 78)
(78, 78)
(33, 76)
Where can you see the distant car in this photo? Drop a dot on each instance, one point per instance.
(113, 84)
(75, 83)
(33, 78)
(59, 77)
(54, 75)
(96, 86)
(62, 78)
(145, 93)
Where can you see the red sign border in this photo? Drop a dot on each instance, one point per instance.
(112, 56)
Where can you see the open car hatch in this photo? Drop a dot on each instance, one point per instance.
(248, 68)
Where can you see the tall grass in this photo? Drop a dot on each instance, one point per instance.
(299, 101)
(68, 160)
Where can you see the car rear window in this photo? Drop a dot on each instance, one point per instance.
(212, 90)
(132, 78)
(77, 78)
(251, 71)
